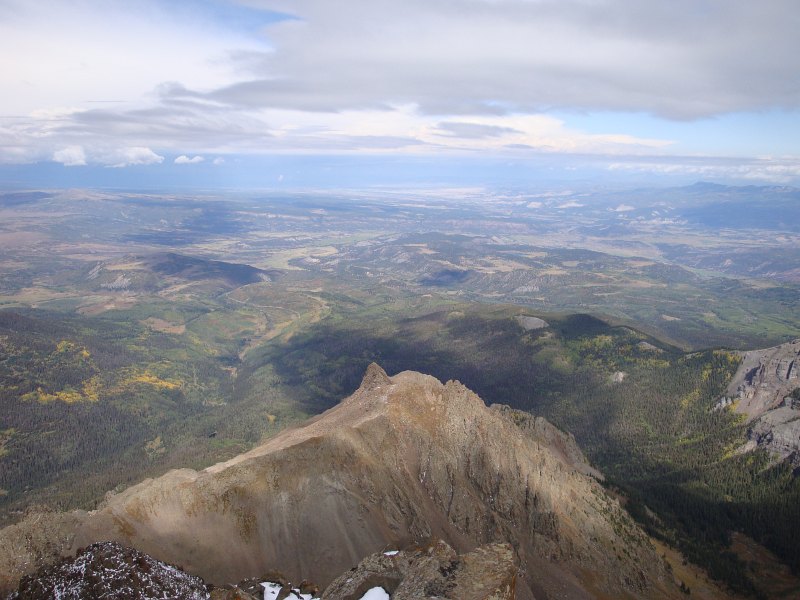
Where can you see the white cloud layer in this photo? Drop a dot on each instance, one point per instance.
(108, 53)
(71, 156)
(677, 58)
(776, 170)
(185, 160)
(137, 155)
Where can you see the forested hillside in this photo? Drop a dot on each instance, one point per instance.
(88, 404)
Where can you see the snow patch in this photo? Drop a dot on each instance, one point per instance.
(376, 593)
(271, 590)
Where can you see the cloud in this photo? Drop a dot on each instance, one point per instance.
(623, 208)
(218, 161)
(680, 59)
(499, 77)
(71, 156)
(472, 130)
(94, 51)
(776, 170)
(137, 155)
(185, 160)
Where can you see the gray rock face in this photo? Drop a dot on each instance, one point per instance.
(531, 323)
(764, 388)
(778, 431)
(765, 378)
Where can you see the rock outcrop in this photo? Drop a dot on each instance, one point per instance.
(778, 431)
(404, 460)
(436, 571)
(765, 388)
(765, 378)
(532, 323)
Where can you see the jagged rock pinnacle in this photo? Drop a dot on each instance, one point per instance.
(374, 377)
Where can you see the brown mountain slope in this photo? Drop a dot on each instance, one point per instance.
(404, 459)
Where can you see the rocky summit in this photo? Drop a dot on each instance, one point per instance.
(404, 460)
(106, 571)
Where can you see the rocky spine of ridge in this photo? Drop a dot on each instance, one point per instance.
(765, 389)
(110, 571)
(404, 460)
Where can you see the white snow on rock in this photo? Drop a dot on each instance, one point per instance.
(376, 593)
(272, 590)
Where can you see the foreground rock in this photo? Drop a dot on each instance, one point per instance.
(487, 573)
(110, 571)
(404, 460)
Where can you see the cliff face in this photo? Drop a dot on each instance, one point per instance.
(765, 378)
(404, 460)
(765, 389)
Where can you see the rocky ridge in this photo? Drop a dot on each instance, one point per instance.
(404, 460)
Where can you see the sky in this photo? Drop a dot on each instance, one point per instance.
(272, 92)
